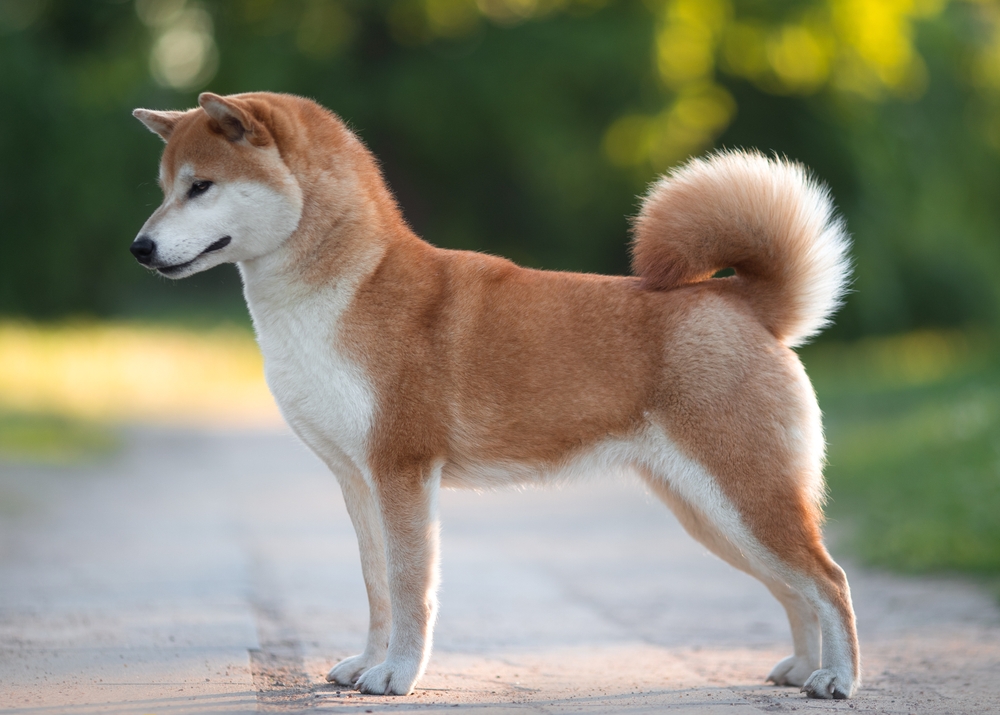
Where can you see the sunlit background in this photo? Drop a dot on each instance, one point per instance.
(527, 128)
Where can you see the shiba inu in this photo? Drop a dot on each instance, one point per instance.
(406, 367)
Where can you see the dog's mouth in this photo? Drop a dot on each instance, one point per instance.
(178, 267)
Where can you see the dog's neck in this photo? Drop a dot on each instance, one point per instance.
(349, 222)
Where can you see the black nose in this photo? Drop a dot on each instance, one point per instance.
(143, 249)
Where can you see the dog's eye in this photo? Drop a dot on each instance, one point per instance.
(198, 188)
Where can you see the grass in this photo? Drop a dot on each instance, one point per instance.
(52, 439)
(122, 372)
(49, 440)
(913, 425)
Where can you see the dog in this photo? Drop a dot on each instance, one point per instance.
(406, 367)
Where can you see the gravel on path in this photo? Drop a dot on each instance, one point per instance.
(202, 572)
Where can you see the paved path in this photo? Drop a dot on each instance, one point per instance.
(201, 573)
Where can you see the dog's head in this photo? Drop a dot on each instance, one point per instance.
(228, 195)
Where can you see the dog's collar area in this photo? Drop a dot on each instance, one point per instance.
(178, 267)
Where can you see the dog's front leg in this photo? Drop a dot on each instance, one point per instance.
(363, 509)
(408, 506)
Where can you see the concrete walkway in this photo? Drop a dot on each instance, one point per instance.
(199, 573)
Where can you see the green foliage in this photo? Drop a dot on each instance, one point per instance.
(527, 128)
(524, 128)
(52, 439)
(914, 459)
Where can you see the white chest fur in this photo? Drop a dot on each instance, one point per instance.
(324, 396)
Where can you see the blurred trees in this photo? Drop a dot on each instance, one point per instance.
(520, 127)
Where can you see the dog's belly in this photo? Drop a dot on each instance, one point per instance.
(608, 457)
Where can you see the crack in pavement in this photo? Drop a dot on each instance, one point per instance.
(277, 667)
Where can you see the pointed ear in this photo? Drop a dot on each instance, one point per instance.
(234, 120)
(161, 123)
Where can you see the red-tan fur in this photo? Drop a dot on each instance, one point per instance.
(475, 361)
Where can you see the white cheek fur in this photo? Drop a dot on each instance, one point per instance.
(257, 216)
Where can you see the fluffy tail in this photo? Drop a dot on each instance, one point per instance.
(763, 217)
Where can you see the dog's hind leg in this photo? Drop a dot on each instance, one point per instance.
(802, 618)
(407, 501)
(806, 636)
(792, 563)
(821, 584)
(363, 510)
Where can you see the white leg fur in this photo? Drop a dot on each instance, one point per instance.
(364, 514)
(836, 679)
(408, 506)
(806, 636)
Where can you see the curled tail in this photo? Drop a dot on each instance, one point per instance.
(763, 217)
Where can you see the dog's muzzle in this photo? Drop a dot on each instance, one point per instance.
(144, 250)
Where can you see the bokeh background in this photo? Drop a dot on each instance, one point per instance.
(527, 128)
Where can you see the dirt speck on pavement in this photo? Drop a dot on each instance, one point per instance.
(207, 572)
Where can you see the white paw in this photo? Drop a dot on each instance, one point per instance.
(395, 676)
(347, 671)
(830, 684)
(793, 670)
